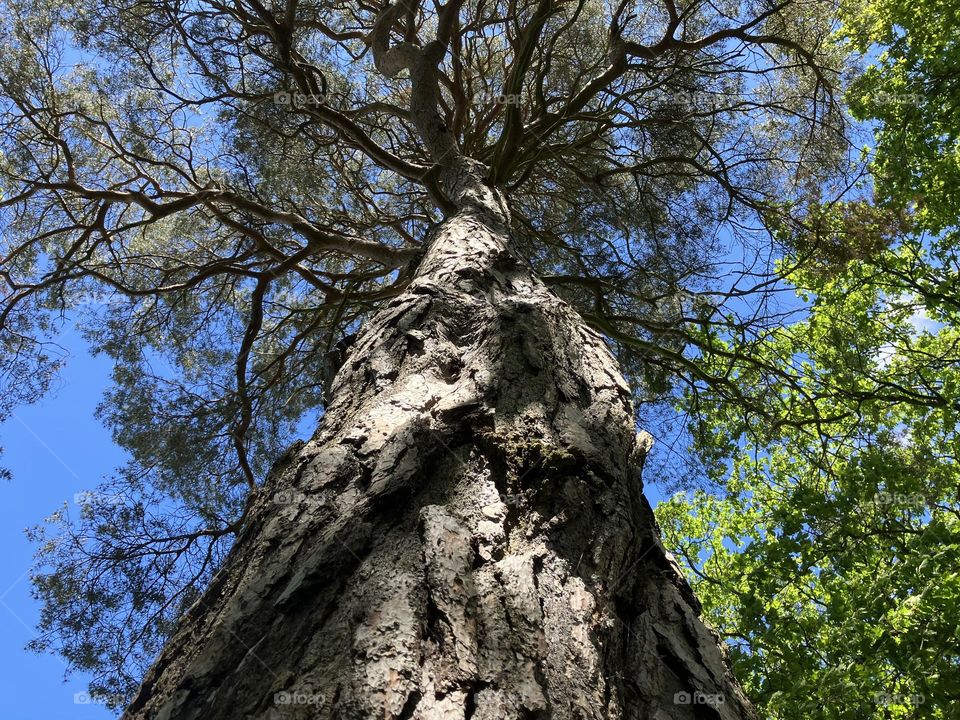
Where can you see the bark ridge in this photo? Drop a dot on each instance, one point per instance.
(464, 537)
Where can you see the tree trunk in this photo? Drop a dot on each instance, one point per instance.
(465, 536)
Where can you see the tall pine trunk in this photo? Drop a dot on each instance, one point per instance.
(465, 536)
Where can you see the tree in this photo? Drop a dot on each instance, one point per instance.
(910, 92)
(418, 216)
(829, 559)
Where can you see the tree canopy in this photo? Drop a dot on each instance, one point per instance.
(829, 559)
(218, 193)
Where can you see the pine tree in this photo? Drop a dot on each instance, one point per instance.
(443, 222)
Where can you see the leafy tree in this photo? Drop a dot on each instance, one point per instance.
(265, 213)
(911, 91)
(830, 558)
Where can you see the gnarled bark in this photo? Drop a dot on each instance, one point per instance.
(464, 537)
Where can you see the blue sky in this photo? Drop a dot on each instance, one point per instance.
(54, 449)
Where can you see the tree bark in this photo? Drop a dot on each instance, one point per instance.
(465, 536)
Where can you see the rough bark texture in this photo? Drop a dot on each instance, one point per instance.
(464, 537)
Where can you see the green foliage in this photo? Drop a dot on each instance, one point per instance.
(912, 91)
(828, 553)
(827, 550)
